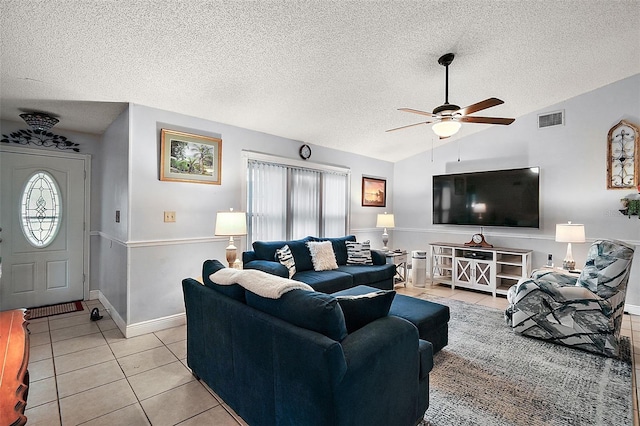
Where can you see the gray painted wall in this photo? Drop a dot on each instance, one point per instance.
(572, 159)
(162, 254)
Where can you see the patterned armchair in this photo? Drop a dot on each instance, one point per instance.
(583, 311)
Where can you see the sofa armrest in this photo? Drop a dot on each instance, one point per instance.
(249, 256)
(378, 257)
(273, 268)
(383, 358)
(386, 339)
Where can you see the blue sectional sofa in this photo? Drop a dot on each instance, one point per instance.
(291, 361)
(379, 275)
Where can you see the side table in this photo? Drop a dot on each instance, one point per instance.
(400, 260)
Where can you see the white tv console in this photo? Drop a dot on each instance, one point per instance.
(493, 269)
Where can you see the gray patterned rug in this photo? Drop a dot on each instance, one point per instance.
(488, 376)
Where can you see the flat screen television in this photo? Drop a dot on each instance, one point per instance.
(489, 198)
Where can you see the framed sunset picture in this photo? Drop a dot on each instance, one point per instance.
(374, 192)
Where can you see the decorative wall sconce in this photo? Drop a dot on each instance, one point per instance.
(39, 133)
(623, 158)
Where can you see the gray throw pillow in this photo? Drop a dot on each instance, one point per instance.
(358, 253)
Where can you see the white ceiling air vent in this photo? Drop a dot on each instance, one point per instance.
(550, 119)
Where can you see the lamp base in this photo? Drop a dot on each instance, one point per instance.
(385, 240)
(568, 263)
(231, 253)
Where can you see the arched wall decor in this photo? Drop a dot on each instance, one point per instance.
(623, 158)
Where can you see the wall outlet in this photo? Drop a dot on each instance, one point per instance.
(169, 216)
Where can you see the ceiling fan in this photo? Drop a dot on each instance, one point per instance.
(447, 117)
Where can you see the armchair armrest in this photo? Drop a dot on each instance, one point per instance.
(560, 292)
(558, 297)
(555, 276)
(273, 268)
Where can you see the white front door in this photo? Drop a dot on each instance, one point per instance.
(42, 252)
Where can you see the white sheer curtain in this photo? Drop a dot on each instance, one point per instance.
(334, 204)
(289, 202)
(267, 201)
(305, 203)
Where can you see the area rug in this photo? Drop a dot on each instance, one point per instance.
(61, 308)
(488, 375)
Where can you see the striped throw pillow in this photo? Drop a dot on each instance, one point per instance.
(285, 257)
(358, 253)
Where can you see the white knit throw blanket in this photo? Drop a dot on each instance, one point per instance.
(258, 282)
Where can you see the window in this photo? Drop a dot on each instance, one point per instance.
(287, 199)
(40, 209)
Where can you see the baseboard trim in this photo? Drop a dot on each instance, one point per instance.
(115, 316)
(140, 328)
(632, 309)
(154, 325)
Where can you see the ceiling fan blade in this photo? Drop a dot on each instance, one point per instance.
(416, 111)
(487, 103)
(410, 125)
(487, 120)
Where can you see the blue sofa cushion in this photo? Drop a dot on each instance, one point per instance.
(339, 247)
(315, 311)
(234, 291)
(325, 281)
(366, 274)
(360, 310)
(266, 250)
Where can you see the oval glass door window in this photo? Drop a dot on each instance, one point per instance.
(41, 209)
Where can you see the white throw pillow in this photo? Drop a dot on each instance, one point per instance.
(358, 253)
(322, 255)
(285, 257)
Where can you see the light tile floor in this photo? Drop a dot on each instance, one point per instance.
(87, 373)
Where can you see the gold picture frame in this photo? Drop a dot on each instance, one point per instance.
(185, 157)
(374, 192)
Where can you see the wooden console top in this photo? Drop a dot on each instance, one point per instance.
(14, 359)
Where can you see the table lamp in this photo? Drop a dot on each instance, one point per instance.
(569, 233)
(231, 224)
(385, 221)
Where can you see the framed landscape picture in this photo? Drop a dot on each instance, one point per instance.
(374, 192)
(185, 157)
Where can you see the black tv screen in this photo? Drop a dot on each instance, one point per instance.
(491, 198)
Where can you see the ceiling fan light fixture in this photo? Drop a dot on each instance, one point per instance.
(446, 128)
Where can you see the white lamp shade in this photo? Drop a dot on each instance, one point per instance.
(446, 128)
(570, 233)
(231, 223)
(385, 221)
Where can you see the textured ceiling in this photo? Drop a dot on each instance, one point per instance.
(326, 73)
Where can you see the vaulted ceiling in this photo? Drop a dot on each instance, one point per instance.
(328, 73)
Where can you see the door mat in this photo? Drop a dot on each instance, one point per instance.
(47, 311)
